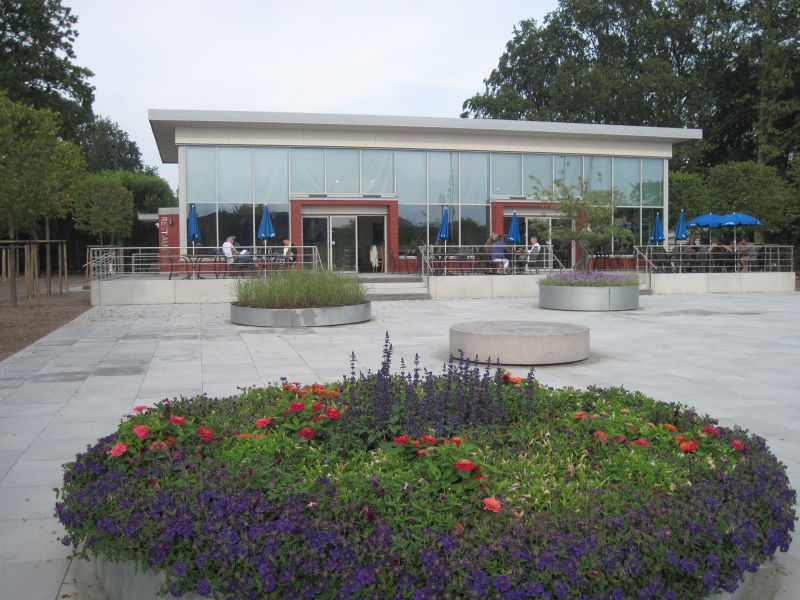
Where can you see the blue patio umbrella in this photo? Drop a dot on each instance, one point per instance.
(265, 229)
(681, 233)
(735, 220)
(513, 230)
(193, 228)
(657, 234)
(711, 220)
(444, 234)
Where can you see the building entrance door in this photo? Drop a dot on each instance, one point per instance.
(344, 242)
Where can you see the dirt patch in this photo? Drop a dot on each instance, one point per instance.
(25, 323)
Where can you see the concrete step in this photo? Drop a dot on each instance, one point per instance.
(374, 297)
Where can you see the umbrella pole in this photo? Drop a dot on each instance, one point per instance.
(445, 257)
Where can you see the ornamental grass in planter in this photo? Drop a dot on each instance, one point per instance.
(300, 288)
(463, 484)
(589, 279)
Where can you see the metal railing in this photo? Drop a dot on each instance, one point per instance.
(479, 260)
(714, 259)
(199, 262)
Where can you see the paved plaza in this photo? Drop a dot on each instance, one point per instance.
(736, 357)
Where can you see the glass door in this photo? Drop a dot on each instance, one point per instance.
(315, 233)
(343, 243)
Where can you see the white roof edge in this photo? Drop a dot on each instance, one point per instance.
(245, 118)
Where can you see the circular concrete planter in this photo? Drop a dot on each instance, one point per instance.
(565, 297)
(301, 317)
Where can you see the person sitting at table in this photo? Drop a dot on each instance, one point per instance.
(746, 252)
(722, 254)
(533, 253)
(500, 252)
(232, 255)
(289, 252)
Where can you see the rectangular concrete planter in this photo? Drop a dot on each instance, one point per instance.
(565, 297)
(301, 317)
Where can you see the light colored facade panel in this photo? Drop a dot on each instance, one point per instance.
(344, 139)
(202, 135)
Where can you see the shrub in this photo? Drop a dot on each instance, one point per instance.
(588, 279)
(300, 289)
(466, 484)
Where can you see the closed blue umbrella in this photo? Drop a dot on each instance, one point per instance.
(657, 235)
(681, 233)
(265, 229)
(513, 230)
(444, 234)
(193, 229)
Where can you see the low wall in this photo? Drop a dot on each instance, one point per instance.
(721, 283)
(484, 286)
(162, 291)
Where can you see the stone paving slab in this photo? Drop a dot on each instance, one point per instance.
(732, 356)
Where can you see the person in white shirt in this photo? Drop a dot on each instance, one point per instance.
(228, 250)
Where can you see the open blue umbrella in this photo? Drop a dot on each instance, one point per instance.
(710, 220)
(265, 229)
(735, 220)
(193, 229)
(657, 235)
(681, 233)
(513, 230)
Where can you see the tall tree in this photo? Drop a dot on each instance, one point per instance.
(104, 207)
(108, 148)
(36, 61)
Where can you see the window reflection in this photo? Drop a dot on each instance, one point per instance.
(412, 227)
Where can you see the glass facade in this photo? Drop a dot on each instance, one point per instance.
(230, 185)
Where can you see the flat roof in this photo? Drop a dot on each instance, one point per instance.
(164, 122)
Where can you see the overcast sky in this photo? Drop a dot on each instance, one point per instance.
(412, 58)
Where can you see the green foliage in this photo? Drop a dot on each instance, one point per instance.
(39, 173)
(36, 61)
(300, 289)
(108, 148)
(150, 192)
(104, 207)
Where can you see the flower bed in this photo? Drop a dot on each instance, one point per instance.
(465, 484)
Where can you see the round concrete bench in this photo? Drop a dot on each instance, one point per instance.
(520, 342)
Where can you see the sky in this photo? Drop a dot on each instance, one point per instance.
(406, 58)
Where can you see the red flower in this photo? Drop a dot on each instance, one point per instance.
(464, 465)
(316, 407)
(118, 450)
(177, 420)
(454, 440)
(679, 438)
(688, 446)
(306, 433)
(290, 388)
(580, 415)
(421, 452)
(333, 413)
(316, 418)
(642, 443)
(205, 434)
(711, 431)
(333, 394)
(620, 438)
(138, 409)
(263, 422)
(158, 446)
(416, 443)
(429, 439)
(600, 437)
(141, 431)
(670, 427)
(737, 445)
(402, 439)
(492, 504)
(171, 440)
(297, 406)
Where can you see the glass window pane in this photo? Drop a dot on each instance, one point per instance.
(207, 222)
(235, 174)
(474, 224)
(201, 171)
(597, 173)
(506, 175)
(412, 227)
(377, 172)
(272, 175)
(626, 181)
(342, 171)
(443, 178)
(631, 217)
(307, 171)
(568, 171)
(538, 175)
(474, 178)
(411, 187)
(653, 182)
(236, 220)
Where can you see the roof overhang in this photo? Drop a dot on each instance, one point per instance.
(165, 122)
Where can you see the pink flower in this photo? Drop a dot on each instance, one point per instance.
(138, 409)
(492, 504)
(711, 431)
(642, 443)
(333, 413)
(580, 415)
(263, 422)
(316, 418)
(464, 465)
(177, 420)
(306, 433)
(118, 450)
(429, 439)
(297, 406)
(620, 438)
(737, 445)
(601, 437)
(421, 452)
(205, 434)
(158, 446)
(402, 439)
(141, 431)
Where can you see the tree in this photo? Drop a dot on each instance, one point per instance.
(36, 61)
(150, 192)
(108, 148)
(104, 207)
(688, 191)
